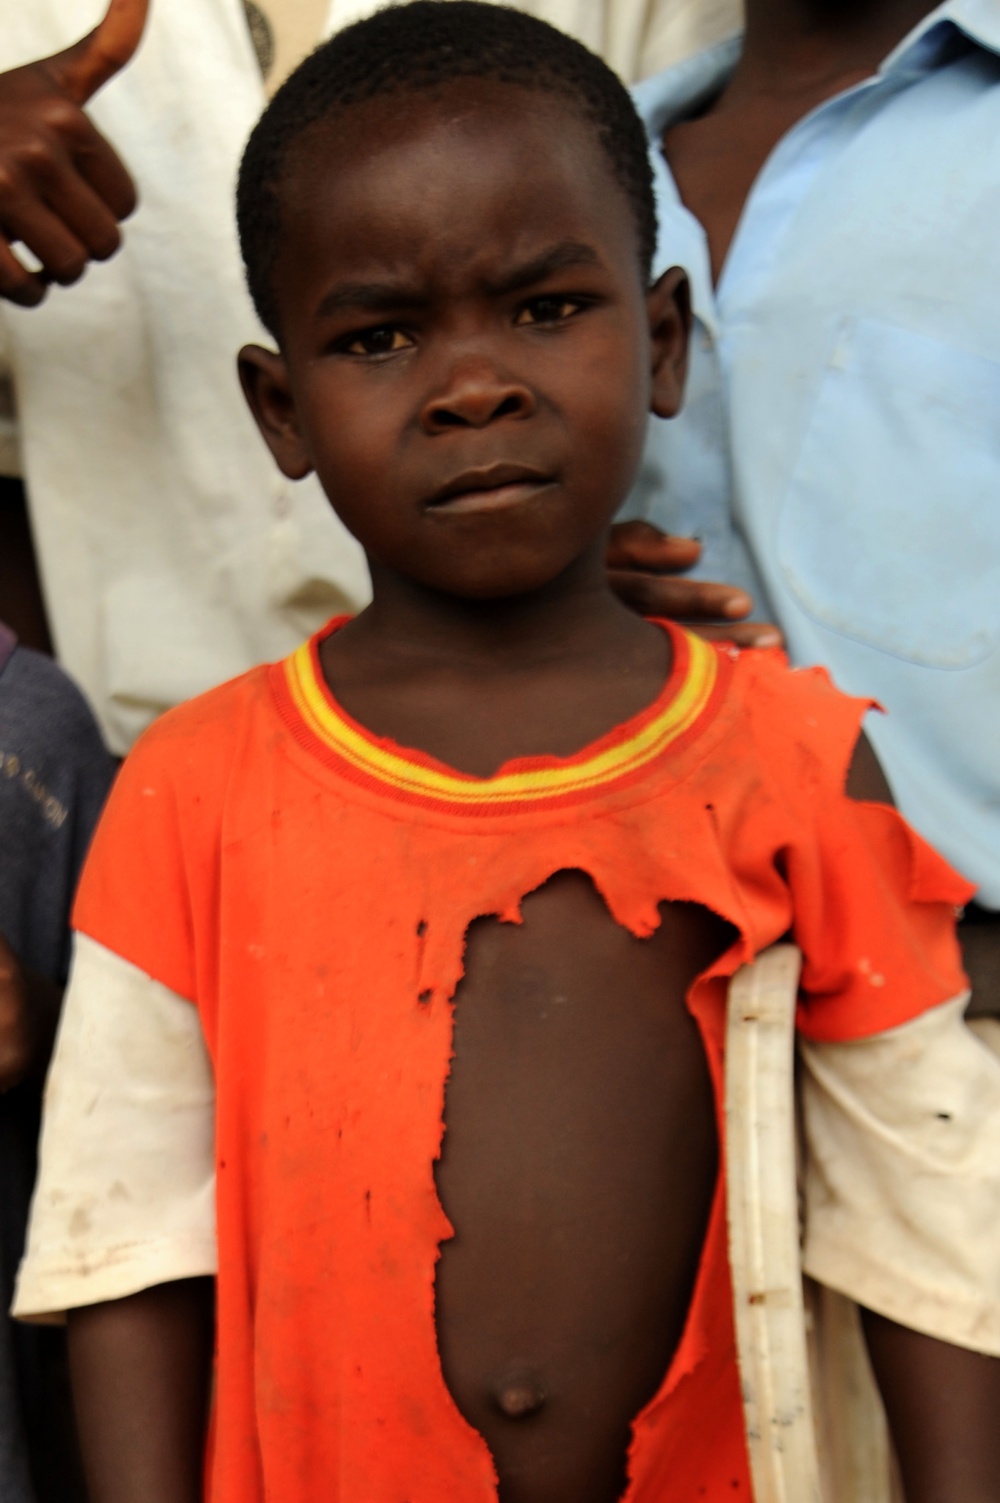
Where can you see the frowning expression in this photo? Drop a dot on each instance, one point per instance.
(468, 348)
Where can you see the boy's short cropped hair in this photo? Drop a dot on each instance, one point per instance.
(417, 48)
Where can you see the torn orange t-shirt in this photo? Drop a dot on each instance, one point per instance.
(308, 887)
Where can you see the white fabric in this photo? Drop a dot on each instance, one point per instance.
(635, 37)
(173, 554)
(902, 1184)
(902, 1205)
(125, 1197)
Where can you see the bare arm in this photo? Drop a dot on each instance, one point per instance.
(29, 1012)
(942, 1401)
(978, 932)
(942, 1404)
(141, 1372)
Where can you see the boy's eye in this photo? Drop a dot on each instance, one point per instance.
(383, 340)
(548, 310)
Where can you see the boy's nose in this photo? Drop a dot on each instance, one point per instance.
(474, 396)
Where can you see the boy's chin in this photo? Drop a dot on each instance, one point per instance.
(497, 582)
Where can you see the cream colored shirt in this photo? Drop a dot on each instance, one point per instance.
(635, 37)
(902, 1178)
(173, 554)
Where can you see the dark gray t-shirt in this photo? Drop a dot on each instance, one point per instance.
(55, 774)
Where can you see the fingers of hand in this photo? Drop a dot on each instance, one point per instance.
(91, 62)
(107, 176)
(62, 191)
(679, 599)
(63, 258)
(62, 187)
(696, 604)
(741, 633)
(44, 137)
(640, 545)
(17, 283)
(83, 214)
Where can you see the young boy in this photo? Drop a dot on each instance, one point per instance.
(457, 889)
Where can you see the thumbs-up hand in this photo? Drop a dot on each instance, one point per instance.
(63, 188)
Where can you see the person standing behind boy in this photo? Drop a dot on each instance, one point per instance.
(829, 182)
(54, 777)
(417, 943)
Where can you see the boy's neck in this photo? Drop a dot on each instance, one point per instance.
(794, 45)
(480, 683)
(575, 615)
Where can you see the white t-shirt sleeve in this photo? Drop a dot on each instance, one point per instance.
(125, 1197)
(902, 1181)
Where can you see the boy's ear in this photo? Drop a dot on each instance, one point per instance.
(669, 306)
(264, 378)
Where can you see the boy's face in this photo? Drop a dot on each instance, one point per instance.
(469, 353)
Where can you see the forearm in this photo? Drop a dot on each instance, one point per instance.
(141, 1372)
(29, 1012)
(942, 1404)
(44, 1003)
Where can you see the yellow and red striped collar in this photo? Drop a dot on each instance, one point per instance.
(684, 703)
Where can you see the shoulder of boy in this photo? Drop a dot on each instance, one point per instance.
(799, 718)
(190, 750)
(153, 861)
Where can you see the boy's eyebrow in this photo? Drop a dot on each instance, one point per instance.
(375, 296)
(563, 257)
(369, 297)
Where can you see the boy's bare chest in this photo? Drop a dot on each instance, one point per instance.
(578, 1168)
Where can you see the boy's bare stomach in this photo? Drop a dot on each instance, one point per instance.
(578, 1169)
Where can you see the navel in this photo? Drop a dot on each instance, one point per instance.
(518, 1394)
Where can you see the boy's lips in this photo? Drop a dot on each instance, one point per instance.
(489, 488)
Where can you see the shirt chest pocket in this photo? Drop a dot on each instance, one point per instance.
(890, 530)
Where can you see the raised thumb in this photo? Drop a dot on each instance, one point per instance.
(83, 68)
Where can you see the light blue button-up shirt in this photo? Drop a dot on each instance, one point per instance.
(840, 444)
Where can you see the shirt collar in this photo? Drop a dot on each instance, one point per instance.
(930, 42)
(660, 101)
(681, 90)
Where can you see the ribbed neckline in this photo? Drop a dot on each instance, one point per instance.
(687, 699)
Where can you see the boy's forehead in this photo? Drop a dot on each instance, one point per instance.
(451, 109)
(515, 156)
